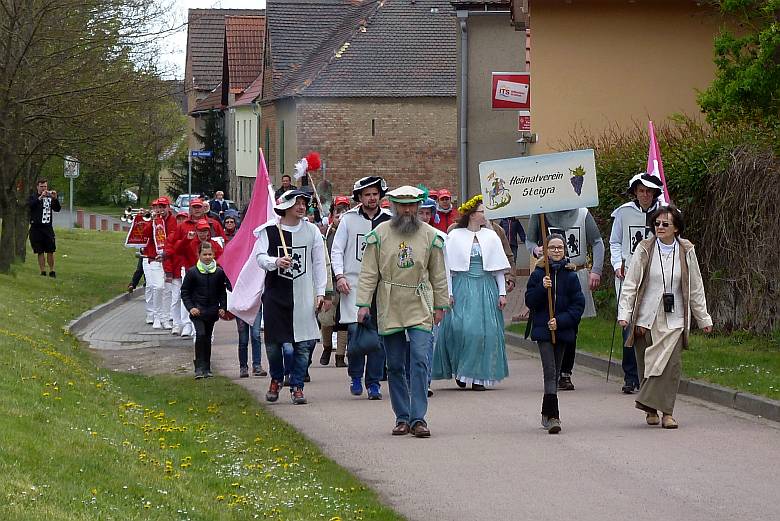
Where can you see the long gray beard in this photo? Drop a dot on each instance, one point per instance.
(405, 224)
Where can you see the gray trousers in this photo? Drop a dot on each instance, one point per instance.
(552, 358)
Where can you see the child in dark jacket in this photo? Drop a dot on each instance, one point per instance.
(568, 306)
(204, 295)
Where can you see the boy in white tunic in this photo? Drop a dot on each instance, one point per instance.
(295, 287)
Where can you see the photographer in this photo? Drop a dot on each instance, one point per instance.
(42, 240)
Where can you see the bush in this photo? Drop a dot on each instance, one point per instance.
(723, 180)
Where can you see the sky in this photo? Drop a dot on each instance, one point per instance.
(174, 47)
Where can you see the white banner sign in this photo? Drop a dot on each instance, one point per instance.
(536, 184)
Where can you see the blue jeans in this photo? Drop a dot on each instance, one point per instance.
(245, 333)
(434, 334)
(298, 361)
(373, 364)
(630, 372)
(410, 401)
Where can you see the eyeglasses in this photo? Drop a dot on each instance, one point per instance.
(555, 248)
(665, 224)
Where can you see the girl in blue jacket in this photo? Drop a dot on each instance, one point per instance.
(568, 305)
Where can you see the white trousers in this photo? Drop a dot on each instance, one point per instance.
(155, 283)
(175, 307)
(167, 298)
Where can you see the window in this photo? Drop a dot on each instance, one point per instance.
(373, 127)
(244, 135)
(237, 141)
(267, 142)
(252, 144)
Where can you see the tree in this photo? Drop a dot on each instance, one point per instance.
(209, 174)
(747, 82)
(71, 71)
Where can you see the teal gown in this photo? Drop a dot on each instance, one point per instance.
(470, 345)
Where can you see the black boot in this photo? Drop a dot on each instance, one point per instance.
(340, 361)
(198, 369)
(551, 418)
(325, 357)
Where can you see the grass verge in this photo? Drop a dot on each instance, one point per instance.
(83, 443)
(743, 362)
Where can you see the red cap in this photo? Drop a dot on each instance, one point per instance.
(196, 202)
(156, 202)
(202, 224)
(433, 193)
(164, 201)
(182, 214)
(444, 193)
(341, 199)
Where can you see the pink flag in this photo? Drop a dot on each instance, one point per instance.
(238, 259)
(655, 165)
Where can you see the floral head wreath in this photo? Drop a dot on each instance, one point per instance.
(470, 205)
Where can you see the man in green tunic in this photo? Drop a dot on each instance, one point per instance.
(404, 265)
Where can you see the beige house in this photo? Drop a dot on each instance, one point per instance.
(602, 63)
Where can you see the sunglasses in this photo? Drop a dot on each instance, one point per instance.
(659, 224)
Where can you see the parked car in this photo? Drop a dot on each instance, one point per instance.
(182, 203)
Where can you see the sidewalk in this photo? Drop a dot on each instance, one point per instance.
(488, 457)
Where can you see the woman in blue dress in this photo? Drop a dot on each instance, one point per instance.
(470, 346)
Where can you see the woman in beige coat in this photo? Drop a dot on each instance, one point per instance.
(661, 292)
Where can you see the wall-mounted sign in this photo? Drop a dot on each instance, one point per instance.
(536, 184)
(511, 91)
(524, 121)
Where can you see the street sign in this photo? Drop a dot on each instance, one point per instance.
(524, 121)
(201, 153)
(71, 167)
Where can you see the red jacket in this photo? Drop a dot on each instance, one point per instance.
(446, 219)
(189, 226)
(149, 250)
(175, 260)
(187, 250)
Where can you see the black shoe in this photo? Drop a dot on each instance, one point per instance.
(460, 384)
(259, 371)
(340, 361)
(307, 379)
(477, 387)
(43, 274)
(629, 388)
(430, 392)
(325, 357)
(243, 372)
(564, 384)
(52, 275)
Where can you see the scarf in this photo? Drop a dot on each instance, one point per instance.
(439, 209)
(207, 268)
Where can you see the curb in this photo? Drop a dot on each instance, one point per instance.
(738, 400)
(78, 324)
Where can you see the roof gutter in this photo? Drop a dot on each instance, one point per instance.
(463, 165)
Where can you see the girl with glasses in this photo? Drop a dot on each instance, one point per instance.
(568, 304)
(663, 289)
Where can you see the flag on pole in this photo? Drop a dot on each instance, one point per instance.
(239, 258)
(655, 165)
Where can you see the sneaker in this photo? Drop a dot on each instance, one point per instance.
(564, 384)
(545, 421)
(273, 391)
(373, 392)
(176, 330)
(356, 388)
(199, 373)
(554, 426)
(186, 330)
(629, 388)
(297, 397)
(208, 374)
(157, 324)
(243, 372)
(259, 371)
(150, 318)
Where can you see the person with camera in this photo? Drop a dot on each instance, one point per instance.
(42, 240)
(662, 290)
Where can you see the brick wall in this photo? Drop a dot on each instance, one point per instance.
(414, 140)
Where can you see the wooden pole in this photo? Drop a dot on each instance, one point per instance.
(284, 241)
(316, 194)
(550, 309)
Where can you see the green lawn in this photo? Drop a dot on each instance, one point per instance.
(82, 443)
(742, 362)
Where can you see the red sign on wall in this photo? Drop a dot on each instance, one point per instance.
(511, 91)
(524, 121)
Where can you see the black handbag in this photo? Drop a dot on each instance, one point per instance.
(364, 338)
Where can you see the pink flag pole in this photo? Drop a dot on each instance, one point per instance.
(655, 165)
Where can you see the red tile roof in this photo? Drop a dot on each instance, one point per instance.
(211, 102)
(244, 39)
(254, 91)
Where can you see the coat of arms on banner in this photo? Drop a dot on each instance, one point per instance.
(298, 267)
(498, 196)
(360, 246)
(638, 234)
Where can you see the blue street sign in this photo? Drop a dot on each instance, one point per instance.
(200, 153)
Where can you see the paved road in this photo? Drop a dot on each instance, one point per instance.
(489, 459)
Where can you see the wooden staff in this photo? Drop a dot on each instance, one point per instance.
(316, 194)
(550, 309)
(284, 241)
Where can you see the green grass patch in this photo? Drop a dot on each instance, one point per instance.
(83, 443)
(743, 362)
